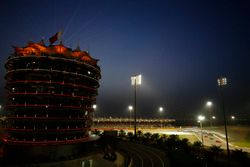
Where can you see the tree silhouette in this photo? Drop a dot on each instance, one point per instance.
(148, 135)
(240, 156)
(155, 137)
(122, 133)
(130, 135)
(215, 151)
(139, 133)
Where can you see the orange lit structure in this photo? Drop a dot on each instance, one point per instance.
(50, 90)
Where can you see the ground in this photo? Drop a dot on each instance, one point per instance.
(238, 135)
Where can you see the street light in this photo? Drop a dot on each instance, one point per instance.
(94, 106)
(222, 82)
(135, 80)
(209, 105)
(130, 108)
(160, 111)
(201, 118)
(232, 118)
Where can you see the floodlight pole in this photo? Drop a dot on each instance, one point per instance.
(135, 82)
(130, 119)
(135, 135)
(225, 121)
(222, 82)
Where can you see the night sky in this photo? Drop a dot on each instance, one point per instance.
(179, 47)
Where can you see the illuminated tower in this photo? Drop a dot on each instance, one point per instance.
(50, 90)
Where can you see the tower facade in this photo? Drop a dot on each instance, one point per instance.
(50, 91)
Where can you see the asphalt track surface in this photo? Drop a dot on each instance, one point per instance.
(144, 156)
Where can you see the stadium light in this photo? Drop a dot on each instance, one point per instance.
(222, 82)
(135, 80)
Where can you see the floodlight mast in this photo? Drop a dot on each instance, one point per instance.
(135, 80)
(222, 82)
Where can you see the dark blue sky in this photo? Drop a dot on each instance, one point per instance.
(179, 47)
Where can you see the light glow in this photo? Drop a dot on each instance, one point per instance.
(209, 103)
(201, 118)
(94, 106)
(136, 79)
(130, 108)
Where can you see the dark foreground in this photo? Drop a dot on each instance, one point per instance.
(145, 151)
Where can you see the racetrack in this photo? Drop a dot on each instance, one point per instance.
(144, 156)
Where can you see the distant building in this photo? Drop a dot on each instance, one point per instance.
(124, 123)
(50, 91)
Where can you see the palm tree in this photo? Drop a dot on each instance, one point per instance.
(215, 151)
(155, 137)
(197, 150)
(163, 137)
(130, 135)
(122, 133)
(171, 142)
(161, 141)
(174, 137)
(148, 135)
(197, 144)
(183, 145)
(97, 132)
(240, 156)
(139, 133)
